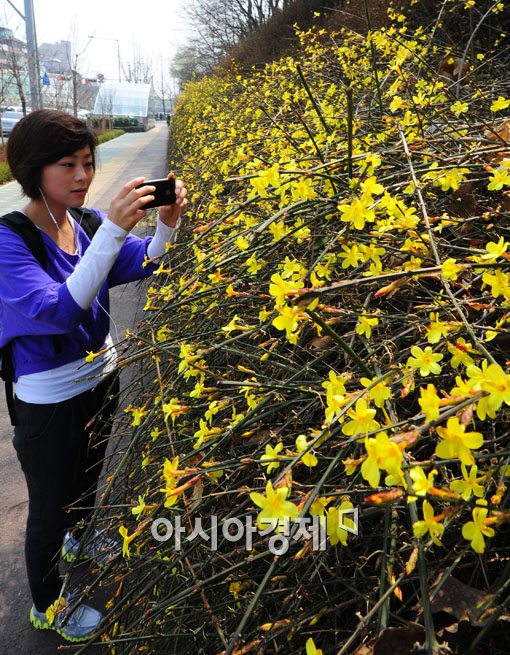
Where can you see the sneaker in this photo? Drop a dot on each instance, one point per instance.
(100, 548)
(79, 625)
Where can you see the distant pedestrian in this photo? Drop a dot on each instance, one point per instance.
(52, 318)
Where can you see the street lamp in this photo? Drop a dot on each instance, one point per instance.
(106, 38)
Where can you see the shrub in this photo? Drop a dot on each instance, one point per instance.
(109, 135)
(5, 173)
(330, 335)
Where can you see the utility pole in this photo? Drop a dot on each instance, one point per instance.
(33, 57)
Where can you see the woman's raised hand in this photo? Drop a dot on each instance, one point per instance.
(170, 214)
(126, 208)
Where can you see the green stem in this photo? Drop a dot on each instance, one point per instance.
(338, 339)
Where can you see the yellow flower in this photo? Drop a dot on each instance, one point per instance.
(437, 328)
(379, 393)
(429, 403)
(267, 178)
(235, 588)
(234, 325)
(288, 319)
(92, 355)
(357, 212)
(383, 454)
(459, 108)
(271, 454)
(494, 251)
(126, 540)
(430, 524)
(499, 178)
(205, 433)
(475, 530)
(425, 360)
(365, 324)
(499, 282)
(242, 243)
(137, 511)
(351, 256)
(309, 458)
(500, 103)
(335, 395)
(470, 484)
(279, 230)
(318, 506)
(55, 608)
(460, 353)
(362, 419)
(456, 442)
(371, 185)
(494, 381)
(302, 189)
(279, 287)
(275, 508)
(336, 521)
(450, 269)
(138, 414)
(422, 483)
(174, 409)
(396, 104)
(311, 648)
(253, 265)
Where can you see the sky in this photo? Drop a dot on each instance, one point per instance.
(148, 29)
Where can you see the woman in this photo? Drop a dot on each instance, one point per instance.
(53, 317)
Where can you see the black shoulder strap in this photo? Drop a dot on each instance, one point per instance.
(23, 226)
(87, 219)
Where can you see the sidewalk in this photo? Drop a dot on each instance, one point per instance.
(119, 161)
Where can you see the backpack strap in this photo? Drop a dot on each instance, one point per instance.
(8, 377)
(87, 219)
(23, 226)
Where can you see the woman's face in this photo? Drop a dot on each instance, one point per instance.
(67, 181)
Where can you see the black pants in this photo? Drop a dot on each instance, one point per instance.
(61, 448)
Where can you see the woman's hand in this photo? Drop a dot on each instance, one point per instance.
(170, 214)
(126, 208)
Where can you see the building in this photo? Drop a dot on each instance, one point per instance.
(127, 105)
(11, 50)
(55, 58)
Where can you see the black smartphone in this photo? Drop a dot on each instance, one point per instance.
(164, 193)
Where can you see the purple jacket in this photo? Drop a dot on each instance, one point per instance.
(35, 304)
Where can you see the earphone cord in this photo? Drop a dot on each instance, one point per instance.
(77, 250)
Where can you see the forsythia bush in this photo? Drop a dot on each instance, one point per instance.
(321, 431)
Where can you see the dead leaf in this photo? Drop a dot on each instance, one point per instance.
(365, 649)
(322, 343)
(196, 498)
(457, 602)
(400, 641)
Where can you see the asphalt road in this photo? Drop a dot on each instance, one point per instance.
(120, 160)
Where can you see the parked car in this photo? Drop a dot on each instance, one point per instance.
(9, 120)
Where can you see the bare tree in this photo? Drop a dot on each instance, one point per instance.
(219, 25)
(17, 65)
(140, 70)
(163, 85)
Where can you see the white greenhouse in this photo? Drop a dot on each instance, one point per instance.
(126, 105)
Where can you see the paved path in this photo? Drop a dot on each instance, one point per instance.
(120, 160)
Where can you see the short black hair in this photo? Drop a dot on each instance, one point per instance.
(43, 137)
